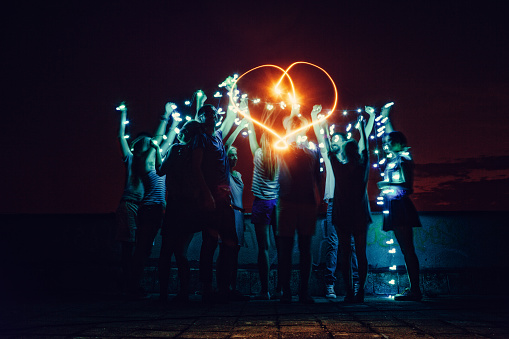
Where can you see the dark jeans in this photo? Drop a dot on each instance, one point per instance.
(176, 242)
(331, 256)
(220, 223)
(150, 218)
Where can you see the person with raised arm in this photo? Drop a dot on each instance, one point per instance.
(265, 190)
(400, 215)
(210, 167)
(181, 219)
(152, 206)
(350, 210)
(299, 198)
(127, 211)
(336, 140)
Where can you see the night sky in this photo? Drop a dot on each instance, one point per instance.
(67, 65)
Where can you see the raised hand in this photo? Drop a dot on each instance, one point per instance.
(369, 109)
(314, 113)
(169, 108)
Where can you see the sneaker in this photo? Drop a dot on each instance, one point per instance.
(262, 296)
(408, 295)
(329, 292)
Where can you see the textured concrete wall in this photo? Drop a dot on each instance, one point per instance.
(459, 252)
(446, 240)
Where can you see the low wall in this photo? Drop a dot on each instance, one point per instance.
(459, 252)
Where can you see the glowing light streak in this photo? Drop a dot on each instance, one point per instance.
(349, 127)
(281, 143)
(126, 137)
(386, 212)
(331, 129)
(378, 118)
(387, 191)
(380, 203)
(120, 108)
(381, 129)
(126, 122)
(381, 162)
(380, 134)
(384, 120)
(389, 104)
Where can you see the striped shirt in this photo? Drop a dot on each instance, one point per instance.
(155, 189)
(263, 187)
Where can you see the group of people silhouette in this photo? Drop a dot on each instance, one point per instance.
(190, 185)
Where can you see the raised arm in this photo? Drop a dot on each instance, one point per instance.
(172, 133)
(385, 113)
(124, 145)
(369, 127)
(200, 100)
(253, 141)
(231, 114)
(159, 157)
(317, 127)
(243, 124)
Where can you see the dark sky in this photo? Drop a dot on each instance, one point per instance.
(67, 66)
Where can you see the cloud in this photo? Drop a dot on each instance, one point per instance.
(466, 184)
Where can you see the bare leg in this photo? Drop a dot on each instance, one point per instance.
(262, 238)
(405, 238)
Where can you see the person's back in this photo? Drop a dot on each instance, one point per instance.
(299, 175)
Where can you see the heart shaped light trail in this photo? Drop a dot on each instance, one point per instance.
(281, 143)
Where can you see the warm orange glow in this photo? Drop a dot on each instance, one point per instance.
(281, 143)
